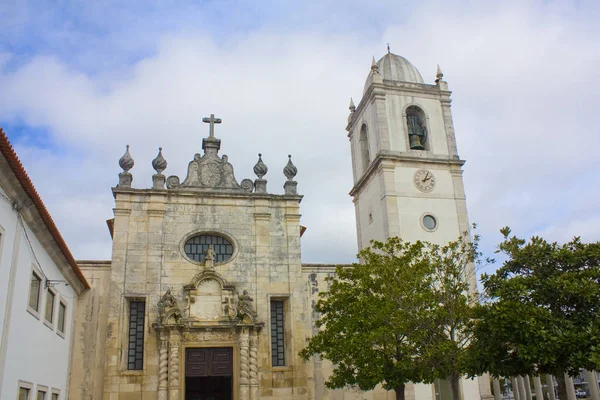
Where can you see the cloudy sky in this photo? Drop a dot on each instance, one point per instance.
(80, 79)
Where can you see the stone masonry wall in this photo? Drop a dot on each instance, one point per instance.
(87, 358)
(149, 231)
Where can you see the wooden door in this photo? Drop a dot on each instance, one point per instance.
(209, 362)
(208, 373)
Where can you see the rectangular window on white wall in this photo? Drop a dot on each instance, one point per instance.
(24, 393)
(41, 395)
(49, 313)
(35, 292)
(55, 394)
(62, 315)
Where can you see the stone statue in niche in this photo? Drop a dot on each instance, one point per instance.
(417, 134)
(209, 262)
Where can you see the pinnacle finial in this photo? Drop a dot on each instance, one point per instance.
(260, 169)
(374, 66)
(352, 106)
(159, 163)
(126, 162)
(388, 47)
(439, 73)
(290, 169)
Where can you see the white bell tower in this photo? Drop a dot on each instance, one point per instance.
(407, 172)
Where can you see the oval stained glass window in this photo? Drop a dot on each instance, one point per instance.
(196, 246)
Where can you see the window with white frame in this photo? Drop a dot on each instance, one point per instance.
(62, 315)
(49, 313)
(35, 291)
(25, 390)
(24, 393)
(42, 392)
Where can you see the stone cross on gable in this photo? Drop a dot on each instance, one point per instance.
(212, 121)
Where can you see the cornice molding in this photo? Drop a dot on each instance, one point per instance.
(208, 194)
(397, 157)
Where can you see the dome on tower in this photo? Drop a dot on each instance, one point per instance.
(393, 67)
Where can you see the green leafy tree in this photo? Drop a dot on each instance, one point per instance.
(399, 316)
(543, 310)
(454, 292)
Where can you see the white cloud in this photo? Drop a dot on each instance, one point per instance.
(524, 79)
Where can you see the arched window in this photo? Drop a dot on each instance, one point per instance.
(417, 132)
(364, 147)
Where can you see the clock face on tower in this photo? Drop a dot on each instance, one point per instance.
(424, 180)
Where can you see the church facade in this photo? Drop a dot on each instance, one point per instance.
(206, 296)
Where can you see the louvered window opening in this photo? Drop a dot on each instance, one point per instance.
(277, 334)
(135, 357)
(196, 247)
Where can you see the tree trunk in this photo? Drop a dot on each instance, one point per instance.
(562, 385)
(455, 385)
(400, 392)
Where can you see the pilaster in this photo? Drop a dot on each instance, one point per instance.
(449, 126)
(382, 131)
(389, 202)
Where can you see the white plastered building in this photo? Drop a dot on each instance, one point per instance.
(39, 285)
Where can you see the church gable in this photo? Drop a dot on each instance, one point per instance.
(207, 259)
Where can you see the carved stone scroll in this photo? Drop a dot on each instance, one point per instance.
(206, 336)
(207, 172)
(168, 309)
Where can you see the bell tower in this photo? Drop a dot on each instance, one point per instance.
(407, 172)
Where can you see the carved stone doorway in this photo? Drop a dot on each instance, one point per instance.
(209, 373)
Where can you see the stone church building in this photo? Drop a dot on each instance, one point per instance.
(206, 296)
